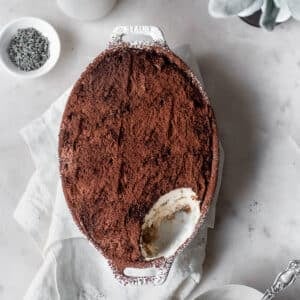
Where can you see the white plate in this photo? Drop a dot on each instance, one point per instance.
(232, 292)
(42, 26)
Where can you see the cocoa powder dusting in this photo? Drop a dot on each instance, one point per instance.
(135, 127)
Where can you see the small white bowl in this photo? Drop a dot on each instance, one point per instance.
(232, 292)
(42, 26)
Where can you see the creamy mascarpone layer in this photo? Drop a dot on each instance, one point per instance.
(169, 223)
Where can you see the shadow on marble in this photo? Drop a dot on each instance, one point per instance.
(237, 106)
(68, 52)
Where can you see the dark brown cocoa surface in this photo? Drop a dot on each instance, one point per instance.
(136, 126)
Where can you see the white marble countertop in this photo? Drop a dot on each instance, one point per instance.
(253, 79)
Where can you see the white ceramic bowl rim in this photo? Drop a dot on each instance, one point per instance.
(231, 292)
(46, 29)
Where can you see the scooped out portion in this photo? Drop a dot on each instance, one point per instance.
(169, 223)
(136, 127)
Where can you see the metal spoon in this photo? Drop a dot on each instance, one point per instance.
(283, 280)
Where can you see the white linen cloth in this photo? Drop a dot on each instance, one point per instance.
(72, 268)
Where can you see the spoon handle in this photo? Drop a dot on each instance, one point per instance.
(283, 280)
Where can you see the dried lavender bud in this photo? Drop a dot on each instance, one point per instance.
(28, 49)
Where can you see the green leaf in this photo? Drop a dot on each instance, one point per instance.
(225, 8)
(294, 6)
(269, 15)
(280, 3)
(252, 9)
(284, 13)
